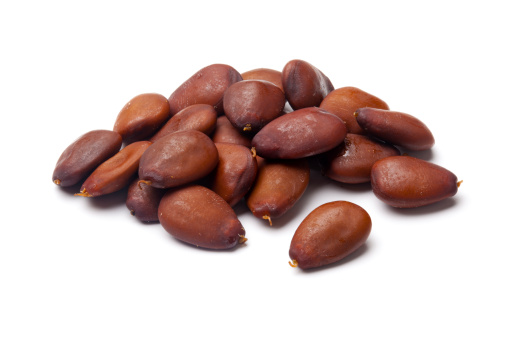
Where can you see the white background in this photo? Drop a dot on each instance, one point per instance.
(76, 267)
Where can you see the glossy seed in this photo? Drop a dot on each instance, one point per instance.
(343, 102)
(85, 154)
(409, 182)
(328, 234)
(225, 132)
(178, 158)
(196, 215)
(397, 128)
(299, 134)
(279, 185)
(115, 173)
(141, 117)
(143, 201)
(266, 74)
(207, 86)
(352, 160)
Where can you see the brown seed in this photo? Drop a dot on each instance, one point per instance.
(400, 129)
(304, 85)
(343, 102)
(352, 160)
(85, 154)
(409, 182)
(115, 173)
(178, 158)
(206, 86)
(225, 132)
(201, 117)
(235, 173)
(302, 133)
(266, 74)
(328, 234)
(279, 185)
(196, 215)
(251, 104)
(143, 201)
(141, 117)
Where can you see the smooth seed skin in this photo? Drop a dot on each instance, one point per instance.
(330, 233)
(196, 215)
(279, 185)
(302, 133)
(117, 172)
(235, 173)
(225, 132)
(409, 182)
(207, 86)
(266, 74)
(178, 158)
(201, 117)
(143, 201)
(304, 85)
(352, 160)
(84, 155)
(141, 117)
(397, 128)
(253, 103)
(343, 102)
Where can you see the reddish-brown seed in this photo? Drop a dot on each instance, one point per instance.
(115, 173)
(328, 234)
(141, 117)
(201, 117)
(235, 173)
(279, 185)
(178, 158)
(225, 132)
(302, 133)
(271, 75)
(409, 182)
(352, 160)
(206, 86)
(85, 154)
(196, 215)
(400, 129)
(251, 104)
(343, 102)
(304, 85)
(143, 201)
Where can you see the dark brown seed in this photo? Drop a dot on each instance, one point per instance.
(304, 85)
(201, 117)
(409, 182)
(178, 158)
(196, 215)
(400, 129)
(206, 86)
(115, 173)
(266, 74)
(141, 117)
(343, 102)
(302, 133)
(352, 160)
(85, 154)
(328, 234)
(279, 185)
(143, 201)
(235, 173)
(225, 132)
(251, 104)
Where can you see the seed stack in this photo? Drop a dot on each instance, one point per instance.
(223, 136)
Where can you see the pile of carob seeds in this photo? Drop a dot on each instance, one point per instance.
(223, 136)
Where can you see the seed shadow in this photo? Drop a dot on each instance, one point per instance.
(195, 247)
(355, 255)
(426, 209)
(425, 155)
(109, 201)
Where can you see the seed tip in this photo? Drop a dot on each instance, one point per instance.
(459, 183)
(293, 263)
(57, 182)
(268, 218)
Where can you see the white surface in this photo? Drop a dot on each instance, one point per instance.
(76, 267)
